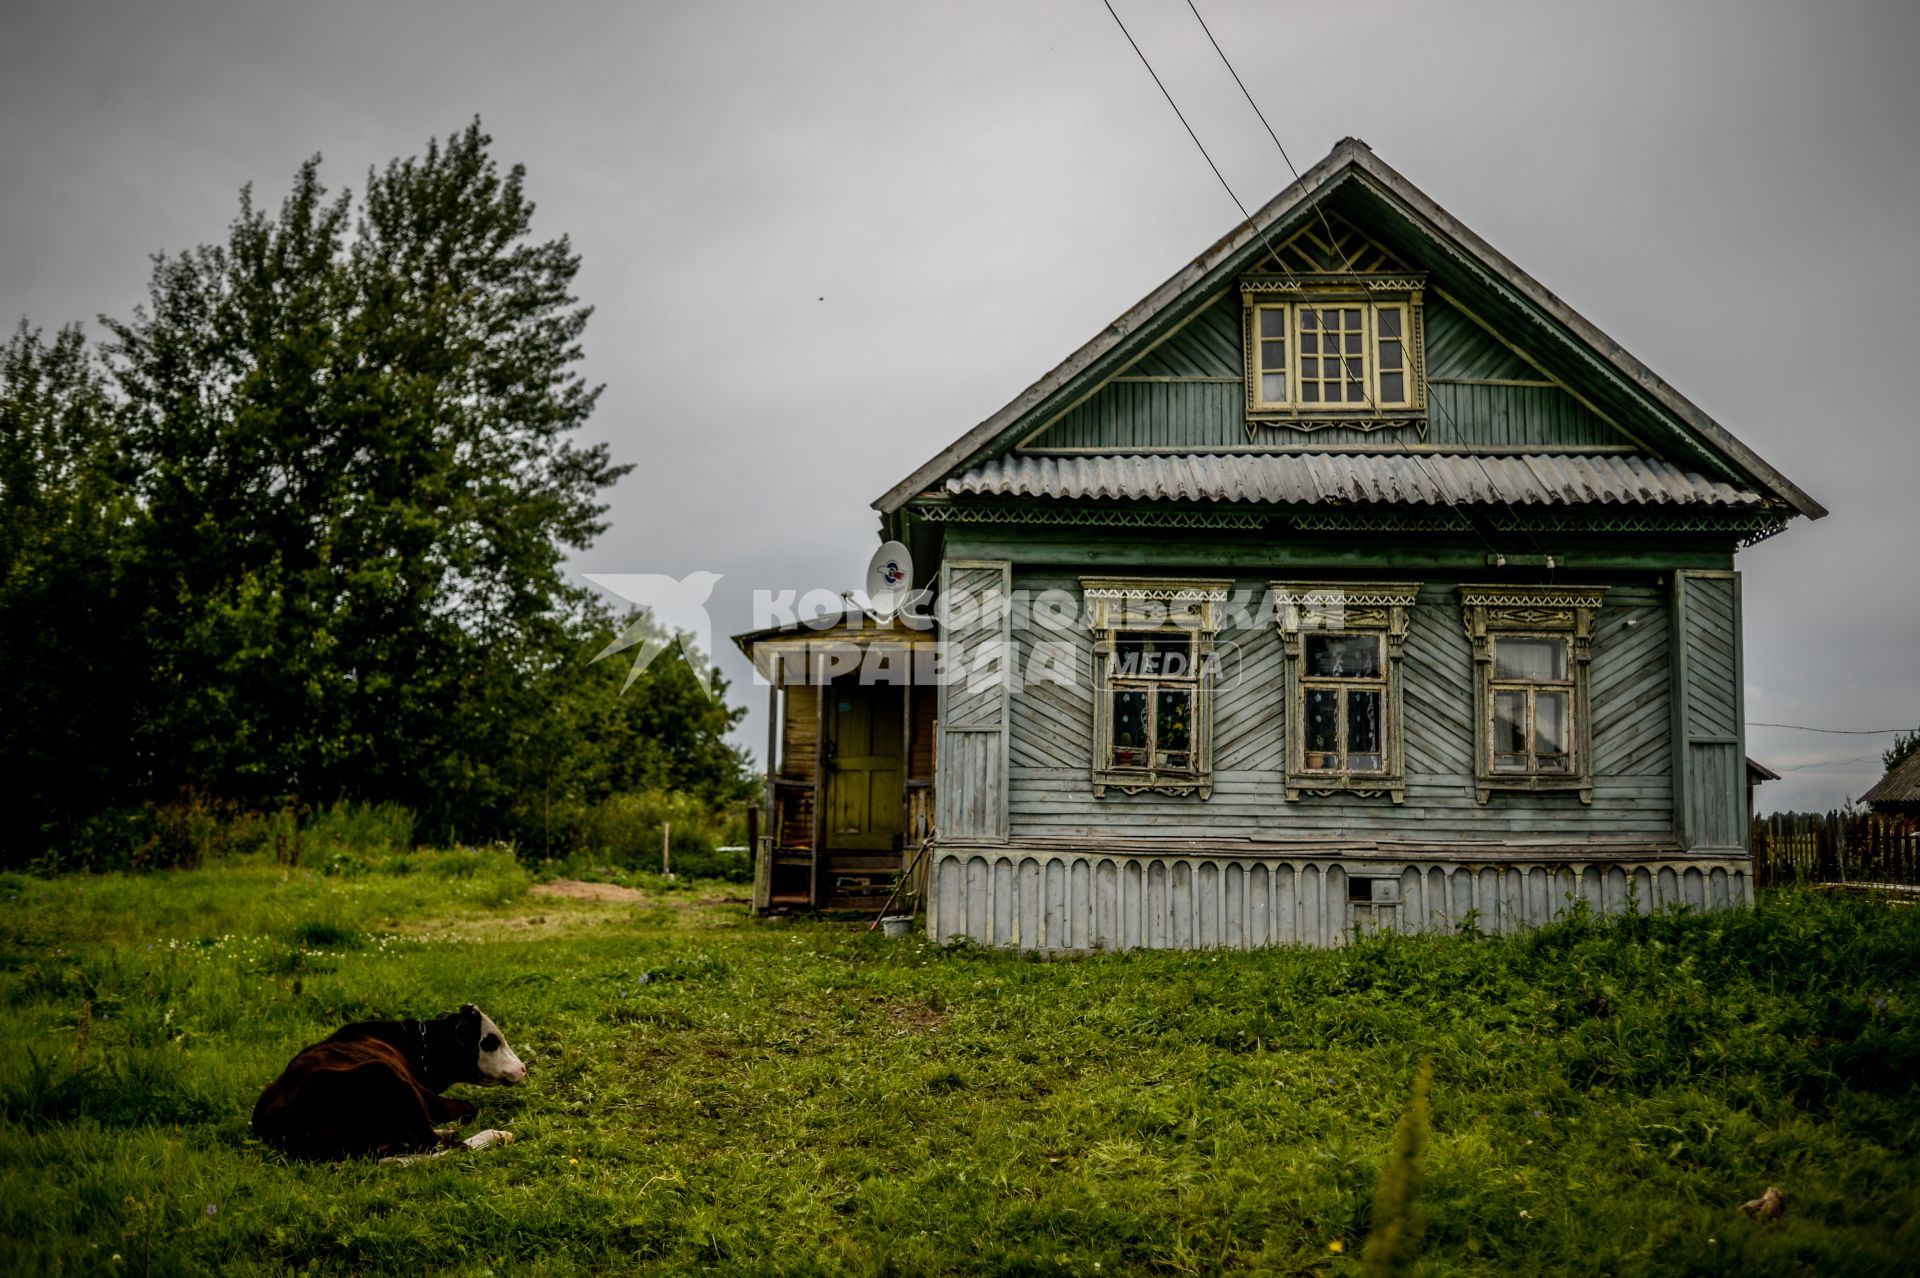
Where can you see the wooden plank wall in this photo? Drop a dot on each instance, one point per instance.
(799, 731)
(1089, 901)
(971, 796)
(1128, 416)
(1051, 728)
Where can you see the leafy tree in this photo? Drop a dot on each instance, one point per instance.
(65, 516)
(295, 533)
(1904, 747)
(353, 437)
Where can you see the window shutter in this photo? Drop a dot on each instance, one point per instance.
(976, 628)
(1709, 772)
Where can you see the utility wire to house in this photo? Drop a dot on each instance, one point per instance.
(1333, 242)
(1347, 262)
(1834, 732)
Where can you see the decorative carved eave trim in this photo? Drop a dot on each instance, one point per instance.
(1309, 282)
(1320, 597)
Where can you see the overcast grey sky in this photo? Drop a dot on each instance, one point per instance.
(824, 239)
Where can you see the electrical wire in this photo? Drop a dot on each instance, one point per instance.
(1347, 262)
(1288, 271)
(1833, 732)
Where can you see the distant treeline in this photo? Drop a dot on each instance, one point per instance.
(291, 536)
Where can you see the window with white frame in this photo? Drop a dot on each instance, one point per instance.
(1532, 647)
(1342, 644)
(1532, 689)
(1317, 354)
(1153, 683)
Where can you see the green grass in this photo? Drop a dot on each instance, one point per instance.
(710, 1093)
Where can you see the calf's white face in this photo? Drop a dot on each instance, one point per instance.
(497, 1064)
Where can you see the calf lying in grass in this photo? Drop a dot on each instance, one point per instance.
(374, 1088)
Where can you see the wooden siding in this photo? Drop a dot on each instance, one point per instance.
(799, 731)
(920, 749)
(1094, 900)
(1050, 729)
(1129, 415)
(1709, 714)
(971, 793)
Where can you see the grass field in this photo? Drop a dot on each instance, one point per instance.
(708, 1093)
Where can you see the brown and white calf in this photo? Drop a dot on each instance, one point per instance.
(374, 1087)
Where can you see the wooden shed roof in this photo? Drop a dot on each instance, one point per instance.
(1900, 785)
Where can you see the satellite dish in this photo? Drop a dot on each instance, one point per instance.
(889, 580)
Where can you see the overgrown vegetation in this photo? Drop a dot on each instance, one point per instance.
(292, 536)
(803, 1098)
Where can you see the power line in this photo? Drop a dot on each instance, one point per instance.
(1281, 263)
(1832, 732)
(1267, 244)
(1829, 763)
(1347, 262)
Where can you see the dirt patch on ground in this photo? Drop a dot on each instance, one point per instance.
(913, 1018)
(575, 890)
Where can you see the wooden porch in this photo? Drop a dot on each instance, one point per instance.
(850, 753)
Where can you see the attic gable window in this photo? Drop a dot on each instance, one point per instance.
(1323, 354)
(1153, 683)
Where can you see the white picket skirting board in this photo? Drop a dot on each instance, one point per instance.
(1092, 900)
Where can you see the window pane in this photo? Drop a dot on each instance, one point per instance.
(1389, 323)
(1549, 724)
(1309, 343)
(1129, 722)
(1356, 393)
(1174, 720)
(1273, 321)
(1323, 725)
(1392, 389)
(1390, 355)
(1309, 318)
(1140, 656)
(1363, 763)
(1309, 393)
(1350, 319)
(1509, 762)
(1273, 355)
(1343, 656)
(1309, 367)
(1363, 722)
(1510, 722)
(1273, 388)
(1353, 343)
(1516, 658)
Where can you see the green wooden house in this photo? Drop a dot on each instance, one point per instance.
(1349, 579)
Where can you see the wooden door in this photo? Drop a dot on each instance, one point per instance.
(866, 768)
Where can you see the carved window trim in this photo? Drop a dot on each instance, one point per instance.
(1383, 609)
(1567, 613)
(1372, 294)
(1159, 606)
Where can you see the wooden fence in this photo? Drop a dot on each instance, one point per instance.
(1835, 847)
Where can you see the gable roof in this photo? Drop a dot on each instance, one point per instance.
(1900, 785)
(1352, 165)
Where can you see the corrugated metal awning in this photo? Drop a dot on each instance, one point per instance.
(1412, 479)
